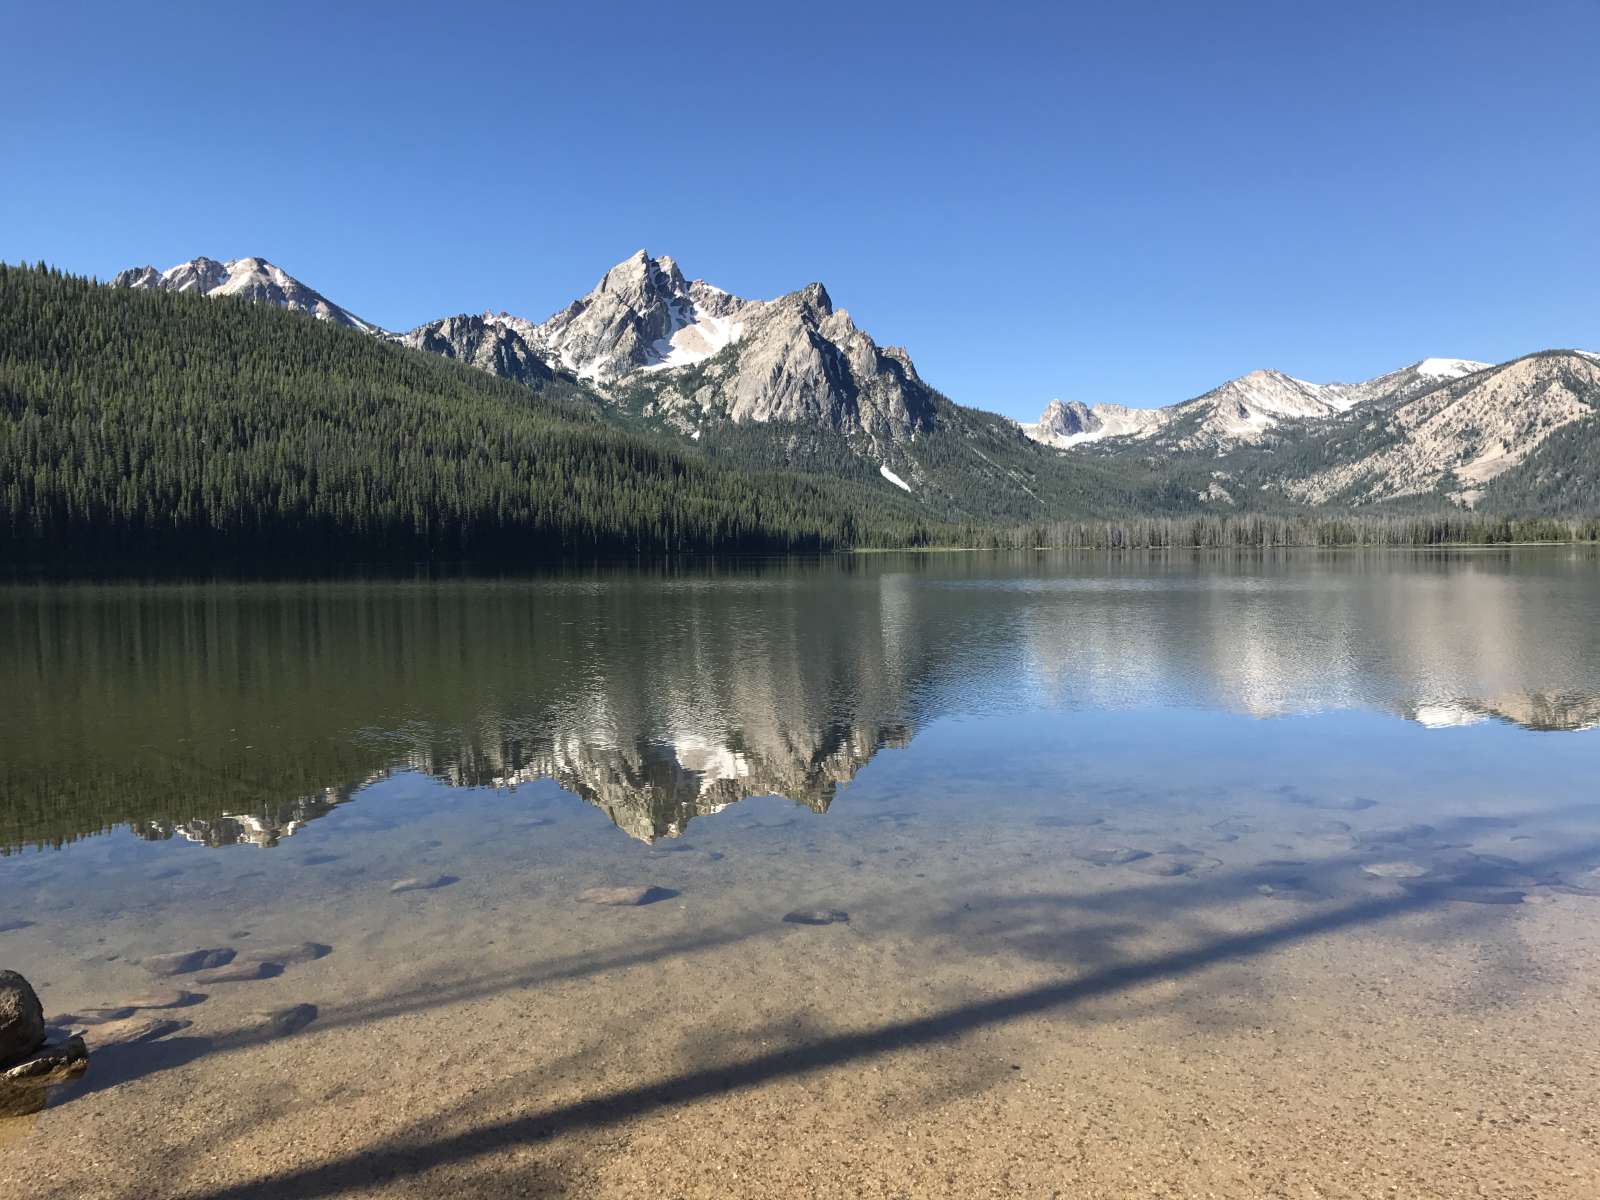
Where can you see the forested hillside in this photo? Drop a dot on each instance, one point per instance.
(156, 425)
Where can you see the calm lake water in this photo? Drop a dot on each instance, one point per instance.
(1230, 875)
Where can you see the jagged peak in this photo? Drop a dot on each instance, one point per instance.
(812, 301)
(902, 356)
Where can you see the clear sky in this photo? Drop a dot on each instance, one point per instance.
(1123, 201)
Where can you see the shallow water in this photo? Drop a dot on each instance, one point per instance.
(1187, 875)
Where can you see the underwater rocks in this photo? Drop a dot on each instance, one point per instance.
(186, 961)
(626, 896)
(283, 956)
(426, 883)
(1175, 861)
(817, 916)
(285, 1022)
(1395, 870)
(135, 1029)
(243, 971)
(1109, 856)
(163, 998)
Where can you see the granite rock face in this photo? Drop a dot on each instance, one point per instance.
(487, 342)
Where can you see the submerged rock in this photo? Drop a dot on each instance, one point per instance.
(1325, 827)
(1110, 856)
(13, 926)
(1336, 803)
(21, 1017)
(165, 998)
(1166, 864)
(183, 962)
(425, 883)
(1395, 870)
(626, 896)
(817, 916)
(284, 1022)
(135, 1029)
(240, 972)
(300, 952)
(92, 1016)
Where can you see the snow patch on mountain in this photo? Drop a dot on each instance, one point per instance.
(883, 469)
(693, 340)
(1449, 368)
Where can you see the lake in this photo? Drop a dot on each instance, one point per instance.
(879, 875)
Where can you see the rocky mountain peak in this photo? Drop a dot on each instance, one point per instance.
(626, 322)
(251, 278)
(485, 342)
(902, 356)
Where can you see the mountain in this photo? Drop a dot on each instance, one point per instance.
(486, 343)
(143, 424)
(1455, 437)
(1241, 410)
(648, 337)
(247, 278)
(641, 315)
(687, 353)
(794, 384)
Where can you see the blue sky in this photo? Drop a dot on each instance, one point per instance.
(1126, 201)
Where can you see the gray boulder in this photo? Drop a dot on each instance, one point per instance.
(21, 1018)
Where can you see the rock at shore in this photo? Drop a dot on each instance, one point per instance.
(29, 1064)
(21, 1018)
(23, 1082)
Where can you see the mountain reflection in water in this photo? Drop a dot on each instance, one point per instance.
(231, 713)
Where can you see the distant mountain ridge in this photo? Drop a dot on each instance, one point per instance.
(1241, 410)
